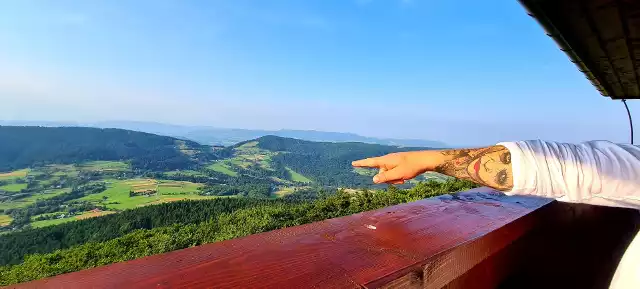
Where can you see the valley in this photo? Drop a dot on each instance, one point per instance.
(268, 167)
(72, 191)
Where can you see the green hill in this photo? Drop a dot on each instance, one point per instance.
(321, 163)
(66, 193)
(22, 147)
(64, 174)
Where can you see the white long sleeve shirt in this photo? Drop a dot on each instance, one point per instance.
(596, 172)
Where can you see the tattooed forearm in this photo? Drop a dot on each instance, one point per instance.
(490, 166)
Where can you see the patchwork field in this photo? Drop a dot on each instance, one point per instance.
(52, 180)
(116, 196)
(249, 153)
(21, 203)
(68, 218)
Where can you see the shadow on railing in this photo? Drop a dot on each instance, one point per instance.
(476, 239)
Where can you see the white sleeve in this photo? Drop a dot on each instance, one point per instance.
(596, 172)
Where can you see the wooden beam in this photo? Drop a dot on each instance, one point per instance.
(371, 249)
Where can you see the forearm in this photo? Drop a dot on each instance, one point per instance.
(488, 166)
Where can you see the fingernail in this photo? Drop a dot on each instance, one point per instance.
(376, 179)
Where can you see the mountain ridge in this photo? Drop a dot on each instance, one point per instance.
(27, 146)
(230, 136)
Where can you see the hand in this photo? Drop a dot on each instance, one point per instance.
(396, 168)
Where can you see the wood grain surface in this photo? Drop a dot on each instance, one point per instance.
(405, 245)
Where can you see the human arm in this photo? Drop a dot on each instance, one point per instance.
(597, 172)
(487, 166)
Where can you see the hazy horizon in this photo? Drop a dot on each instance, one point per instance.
(459, 72)
(121, 121)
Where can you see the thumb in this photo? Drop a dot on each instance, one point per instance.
(389, 176)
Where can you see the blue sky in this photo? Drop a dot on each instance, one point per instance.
(462, 72)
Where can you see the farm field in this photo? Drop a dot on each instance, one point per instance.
(84, 215)
(5, 220)
(14, 175)
(93, 213)
(21, 203)
(117, 197)
(44, 223)
(53, 180)
(191, 173)
(13, 187)
(249, 153)
(104, 166)
(221, 167)
(284, 191)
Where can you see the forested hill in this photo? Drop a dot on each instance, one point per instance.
(326, 163)
(328, 149)
(23, 146)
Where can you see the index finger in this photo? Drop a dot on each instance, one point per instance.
(368, 163)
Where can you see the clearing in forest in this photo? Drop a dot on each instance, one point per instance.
(14, 175)
(5, 220)
(222, 168)
(296, 177)
(44, 223)
(283, 191)
(190, 173)
(13, 187)
(108, 166)
(93, 213)
(249, 153)
(168, 199)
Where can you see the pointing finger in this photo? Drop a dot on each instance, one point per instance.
(370, 162)
(394, 175)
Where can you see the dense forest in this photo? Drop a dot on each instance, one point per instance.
(13, 247)
(233, 220)
(22, 147)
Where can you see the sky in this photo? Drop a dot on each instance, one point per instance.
(461, 72)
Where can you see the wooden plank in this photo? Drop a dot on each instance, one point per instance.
(370, 249)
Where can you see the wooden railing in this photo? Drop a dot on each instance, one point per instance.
(476, 239)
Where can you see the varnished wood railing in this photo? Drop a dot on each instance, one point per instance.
(476, 239)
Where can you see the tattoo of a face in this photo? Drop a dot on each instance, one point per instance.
(505, 158)
(480, 166)
(501, 177)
